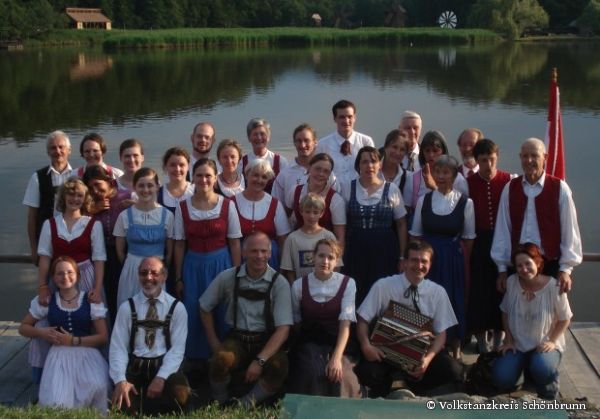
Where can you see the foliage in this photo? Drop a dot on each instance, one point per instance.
(509, 17)
(561, 12)
(590, 18)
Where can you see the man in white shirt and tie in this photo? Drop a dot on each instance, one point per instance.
(537, 208)
(411, 124)
(147, 347)
(343, 144)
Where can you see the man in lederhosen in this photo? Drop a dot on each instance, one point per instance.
(147, 347)
(260, 312)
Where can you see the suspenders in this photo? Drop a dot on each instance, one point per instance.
(254, 295)
(136, 324)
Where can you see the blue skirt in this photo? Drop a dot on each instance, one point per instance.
(370, 254)
(199, 270)
(448, 270)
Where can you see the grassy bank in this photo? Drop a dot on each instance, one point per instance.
(253, 37)
(209, 412)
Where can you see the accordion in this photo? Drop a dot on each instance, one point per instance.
(403, 335)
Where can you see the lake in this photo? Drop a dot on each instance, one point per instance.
(158, 96)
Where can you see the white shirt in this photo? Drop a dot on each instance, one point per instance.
(32, 193)
(151, 217)
(269, 156)
(97, 236)
(415, 156)
(234, 230)
(530, 322)
(337, 205)
(344, 165)
(231, 191)
(258, 210)
(411, 197)
(116, 172)
(433, 301)
(323, 291)
(170, 201)
(444, 205)
(288, 179)
(464, 170)
(570, 238)
(119, 341)
(363, 198)
(398, 178)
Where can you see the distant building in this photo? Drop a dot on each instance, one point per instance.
(84, 18)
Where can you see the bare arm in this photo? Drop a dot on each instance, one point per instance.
(438, 344)
(370, 352)
(120, 245)
(273, 345)
(96, 293)
(235, 249)
(557, 331)
(169, 252)
(209, 329)
(402, 231)
(43, 290)
(334, 368)
(509, 342)
(340, 234)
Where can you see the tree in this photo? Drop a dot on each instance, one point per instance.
(509, 17)
(590, 18)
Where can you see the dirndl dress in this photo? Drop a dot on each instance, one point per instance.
(73, 376)
(206, 257)
(443, 233)
(372, 247)
(142, 241)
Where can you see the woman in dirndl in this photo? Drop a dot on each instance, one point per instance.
(445, 218)
(376, 224)
(75, 373)
(207, 225)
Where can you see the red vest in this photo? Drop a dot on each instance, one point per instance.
(80, 248)
(325, 221)
(266, 225)
(205, 236)
(486, 198)
(546, 209)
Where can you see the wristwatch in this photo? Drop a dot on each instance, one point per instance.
(261, 361)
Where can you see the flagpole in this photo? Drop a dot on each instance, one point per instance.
(555, 163)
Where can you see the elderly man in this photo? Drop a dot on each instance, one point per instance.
(259, 311)
(411, 289)
(42, 187)
(411, 124)
(147, 347)
(466, 141)
(537, 208)
(343, 144)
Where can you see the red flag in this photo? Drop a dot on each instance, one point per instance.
(555, 165)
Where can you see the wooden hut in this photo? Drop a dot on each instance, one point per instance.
(86, 18)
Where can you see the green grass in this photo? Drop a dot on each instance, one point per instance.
(257, 37)
(210, 412)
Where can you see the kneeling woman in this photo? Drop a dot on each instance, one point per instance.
(75, 373)
(535, 316)
(323, 306)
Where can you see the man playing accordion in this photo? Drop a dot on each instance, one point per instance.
(411, 289)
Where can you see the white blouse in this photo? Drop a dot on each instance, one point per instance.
(97, 236)
(530, 322)
(39, 312)
(151, 217)
(258, 210)
(231, 191)
(323, 291)
(171, 201)
(460, 184)
(234, 230)
(269, 156)
(444, 205)
(363, 198)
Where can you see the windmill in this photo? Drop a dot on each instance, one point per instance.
(447, 20)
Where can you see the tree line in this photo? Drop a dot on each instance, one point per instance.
(26, 18)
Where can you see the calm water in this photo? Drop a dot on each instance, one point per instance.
(159, 96)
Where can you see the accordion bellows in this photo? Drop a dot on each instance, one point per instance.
(404, 335)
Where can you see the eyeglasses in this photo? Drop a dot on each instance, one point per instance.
(151, 272)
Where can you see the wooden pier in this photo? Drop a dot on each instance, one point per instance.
(579, 370)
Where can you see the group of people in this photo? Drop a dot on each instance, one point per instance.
(269, 275)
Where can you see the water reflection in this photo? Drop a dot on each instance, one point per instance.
(42, 90)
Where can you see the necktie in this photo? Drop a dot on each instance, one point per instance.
(152, 314)
(346, 149)
(414, 291)
(411, 163)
